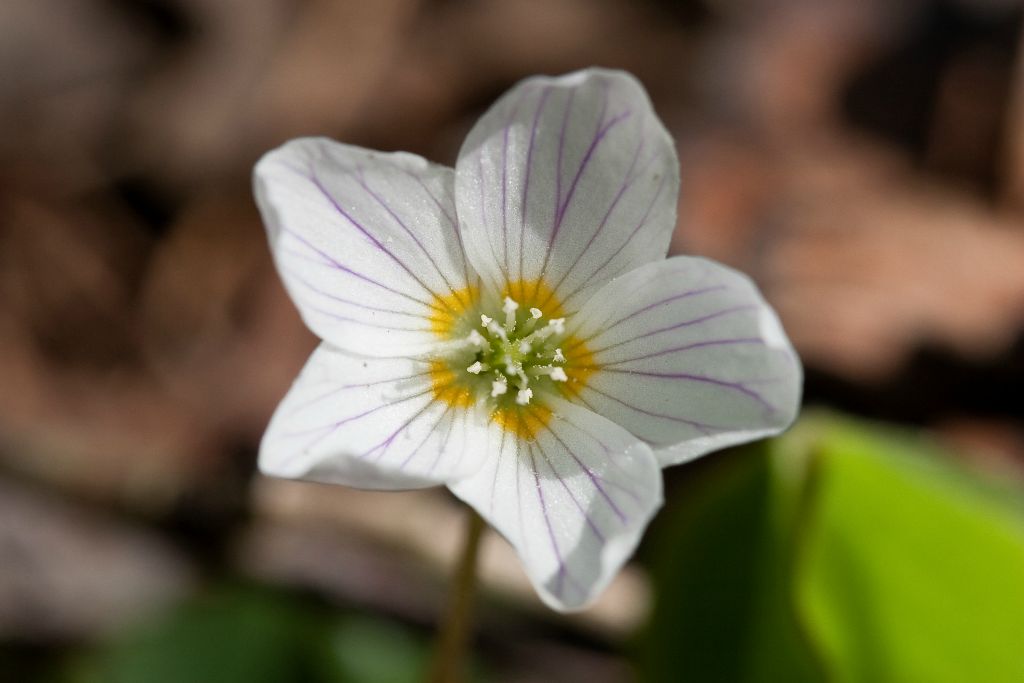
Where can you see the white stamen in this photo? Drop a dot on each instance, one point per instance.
(510, 307)
(485, 320)
(524, 396)
(499, 387)
(536, 313)
(557, 324)
(558, 374)
(524, 347)
(496, 329)
(476, 339)
(559, 357)
(476, 368)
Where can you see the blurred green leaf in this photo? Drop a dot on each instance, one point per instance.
(909, 571)
(722, 609)
(233, 635)
(368, 650)
(842, 551)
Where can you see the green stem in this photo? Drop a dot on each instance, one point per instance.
(453, 631)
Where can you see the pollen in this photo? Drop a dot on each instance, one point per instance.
(509, 354)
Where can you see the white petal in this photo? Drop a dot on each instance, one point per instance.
(372, 423)
(573, 501)
(366, 242)
(572, 179)
(689, 357)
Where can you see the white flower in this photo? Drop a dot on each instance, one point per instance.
(511, 328)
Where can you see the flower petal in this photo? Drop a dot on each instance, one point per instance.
(374, 423)
(687, 355)
(366, 242)
(572, 180)
(573, 501)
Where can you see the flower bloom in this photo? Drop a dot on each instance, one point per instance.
(512, 329)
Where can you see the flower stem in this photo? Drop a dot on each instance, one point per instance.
(453, 631)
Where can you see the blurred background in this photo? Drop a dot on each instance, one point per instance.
(863, 160)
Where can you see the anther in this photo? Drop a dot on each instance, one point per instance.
(536, 313)
(558, 374)
(499, 387)
(476, 368)
(485, 320)
(559, 356)
(524, 396)
(476, 339)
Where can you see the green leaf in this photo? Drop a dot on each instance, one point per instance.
(367, 650)
(909, 570)
(230, 635)
(720, 563)
(843, 551)
(236, 634)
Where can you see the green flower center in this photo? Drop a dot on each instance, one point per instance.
(516, 354)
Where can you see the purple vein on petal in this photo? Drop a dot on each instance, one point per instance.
(387, 441)
(688, 377)
(356, 321)
(517, 462)
(338, 266)
(312, 177)
(614, 461)
(561, 150)
(695, 321)
(686, 323)
(587, 157)
(450, 218)
(704, 428)
(404, 426)
(610, 457)
(541, 102)
(334, 426)
(709, 343)
(594, 478)
(294, 275)
(579, 506)
(337, 389)
(627, 181)
(504, 180)
(641, 224)
(443, 445)
(699, 291)
(562, 570)
(562, 208)
(497, 469)
(387, 208)
(483, 205)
